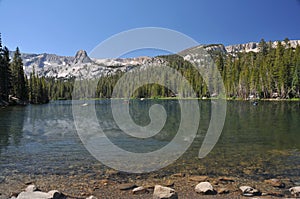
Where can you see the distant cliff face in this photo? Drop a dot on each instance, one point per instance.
(254, 47)
(82, 66)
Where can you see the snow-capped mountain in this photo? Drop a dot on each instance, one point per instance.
(82, 66)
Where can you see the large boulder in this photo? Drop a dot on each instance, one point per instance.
(31, 188)
(161, 192)
(33, 195)
(205, 188)
(30, 194)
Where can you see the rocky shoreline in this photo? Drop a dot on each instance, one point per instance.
(116, 185)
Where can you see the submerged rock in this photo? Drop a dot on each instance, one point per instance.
(249, 191)
(223, 191)
(226, 179)
(161, 192)
(169, 183)
(178, 175)
(127, 186)
(205, 188)
(275, 183)
(198, 178)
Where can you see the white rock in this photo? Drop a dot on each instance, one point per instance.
(161, 192)
(54, 194)
(91, 197)
(249, 191)
(33, 195)
(139, 190)
(295, 190)
(31, 188)
(205, 188)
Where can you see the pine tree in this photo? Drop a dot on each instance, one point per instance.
(263, 47)
(278, 68)
(5, 74)
(295, 86)
(19, 84)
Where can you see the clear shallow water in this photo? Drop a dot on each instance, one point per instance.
(257, 141)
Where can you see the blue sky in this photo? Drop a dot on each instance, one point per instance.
(65, 26)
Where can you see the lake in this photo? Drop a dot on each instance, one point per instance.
(257, 142)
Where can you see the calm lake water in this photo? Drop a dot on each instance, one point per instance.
(257, 141)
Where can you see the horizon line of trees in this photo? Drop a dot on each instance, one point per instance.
(272, 72)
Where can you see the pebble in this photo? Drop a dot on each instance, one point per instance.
(295, 191)
(178, 175)
(127, 186)
(139, 190)
(91, 197)
(249, 191)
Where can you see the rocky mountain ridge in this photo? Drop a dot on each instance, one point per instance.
(82, 66)
(254, 46)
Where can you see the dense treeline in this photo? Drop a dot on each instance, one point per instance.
(15, 88)
(38, 89)
(273, 72)
(269, 73)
